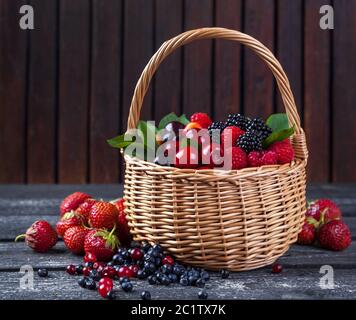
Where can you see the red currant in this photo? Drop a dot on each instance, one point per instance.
(134, 269)
(136, 254)
(107, 282)
(125, 272)
(109, 272)
(90, 257)
(103, 290)
(277, 268)
(168, 260)
(71, 269)
(86, 271)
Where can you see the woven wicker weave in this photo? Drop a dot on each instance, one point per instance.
(239, 219)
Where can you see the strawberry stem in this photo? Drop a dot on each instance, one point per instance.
(20, 237)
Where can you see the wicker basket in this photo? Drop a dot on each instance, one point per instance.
(239, 219)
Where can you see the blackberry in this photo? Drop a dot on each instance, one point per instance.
(238, 120)
(217, 125)
(259, 125)
(250, 141)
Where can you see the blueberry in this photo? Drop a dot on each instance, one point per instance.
(124, 279)
(150, 266)
(111, 295)
(200, 283)
(117, 259)
(178, 270)
(42, 272)
(224, 274)
(110, 264)
(79, 269)
(152, 279)
(166, 269)
(184, 281)
(173, 277)
(157, 247)
(90, 284)
(140, 263)
(148, 258)
(158, 261)
(192, 280)
(94, 274)
(165, 280)
(145, 295)
(159, 276)
(203, 294)
(126, 286)
(205, 275)
(146, 246)
(142, 274)
(88, 264)
(82, 282)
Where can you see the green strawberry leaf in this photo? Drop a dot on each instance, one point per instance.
(119, 142)
(278, 122)
(277, 136)
(183, 119)
(170, 117)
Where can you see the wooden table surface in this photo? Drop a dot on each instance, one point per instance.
(20, 205)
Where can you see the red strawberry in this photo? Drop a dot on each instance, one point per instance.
(123, 230)
(307, 234)
(323, 210)
(284, 151)
(74, 239)
(40, 236)
(238, 158)
(202, 118)
(101, 243)
(230, 135)
(85, 207)
(103, 215)
(334, 235)
(73, 201)
(69, 219)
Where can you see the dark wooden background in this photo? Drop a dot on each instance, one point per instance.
(66, 86)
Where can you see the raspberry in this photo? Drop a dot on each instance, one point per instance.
(261, 158)
(284, 151)
(238, 158)
(202, 118)
(234, 133)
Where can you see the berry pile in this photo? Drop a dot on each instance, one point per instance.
(323, 226)
(141, 261)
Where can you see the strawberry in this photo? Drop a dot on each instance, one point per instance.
(69, 219)
(123, 230)
(74, 239)
(103, 215)
(202, 118)
(238, 158)
(85, 207)
(307, 234)
(40, 236)
(73, 201)
(230, 135)
(284, 151)
(101, 243)
(334, 235)
(323, 211)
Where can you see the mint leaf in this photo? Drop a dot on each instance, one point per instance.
(119, 142)
(167, 119)
(277, 136)
(183, 119)
(278, 121)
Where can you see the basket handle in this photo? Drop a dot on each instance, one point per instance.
(219, 33)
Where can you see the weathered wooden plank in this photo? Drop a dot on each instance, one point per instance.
(317, 92)
(41, 132)
(257, 78)
(290, 47)
(74, 49)
(227, 93)
(168, 84)
(15, 254)
(291, 284)
(105, 90)
(198, 62)
(13, 93)
(343, 80)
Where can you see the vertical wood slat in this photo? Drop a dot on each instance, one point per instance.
(317, 92)
(258, 79)
(344, 79)
(168, 85)
(105, 90)
(227, 61)
(74, 72)
(198, 61)
(289, 49)
(41, 162)
(13, 73)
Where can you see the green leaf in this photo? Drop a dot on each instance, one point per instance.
(185, 142)
(183, 119)
(277, 136)
(148, 130)
(278, 121)
(170, 117)
(119, 142)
